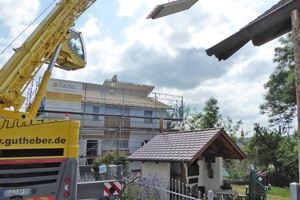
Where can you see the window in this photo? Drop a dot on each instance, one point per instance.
(75, 44)
(91, 150)
(193, 169)
(95, 110)
(143, 143)
(148, 114)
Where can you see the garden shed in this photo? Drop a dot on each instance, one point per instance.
(192, 157)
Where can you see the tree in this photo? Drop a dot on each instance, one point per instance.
(210, 117)
(270, 151)
(262, 147)
(193, 121)
(211, 114)
(207, 118)
(230, 128)
(182, 112)
(113, 157)
(280, 97)
(287, 156)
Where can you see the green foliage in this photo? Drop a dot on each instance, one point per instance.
(280, 97)
(145, 188)
(179, 112)
(287, 156)
(132, 191)
(237, 169)
(280, 192)
(230, 128)
(270, 151)
(276, 193)
(193, 121)
(210, 117)
(110, 158)
(211, 114)
(262, 147)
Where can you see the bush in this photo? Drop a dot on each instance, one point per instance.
(110, 158)
(145, 187)
(278, 179)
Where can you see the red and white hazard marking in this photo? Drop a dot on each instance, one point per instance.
(113, 188)
(40, 198)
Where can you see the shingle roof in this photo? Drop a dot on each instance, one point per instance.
(182, 146)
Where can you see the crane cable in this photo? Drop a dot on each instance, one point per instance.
(27, 27)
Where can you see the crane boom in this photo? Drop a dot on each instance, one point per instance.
(21, 68)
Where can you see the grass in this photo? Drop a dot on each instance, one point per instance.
(276, 193)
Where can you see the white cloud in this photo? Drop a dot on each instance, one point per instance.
(240, 87)
(15, 17)
(90, 28)
(169, 52)
(15, 12)
(129, 7)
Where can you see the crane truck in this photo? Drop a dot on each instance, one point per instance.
(38, 158)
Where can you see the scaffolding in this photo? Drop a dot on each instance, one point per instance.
(115, 110)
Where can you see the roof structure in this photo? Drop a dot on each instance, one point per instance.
(271, 24)
(134, 88)
(119, 93)
(170, 8)
(119, 99)
(188, 147)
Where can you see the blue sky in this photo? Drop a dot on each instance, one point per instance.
(168, 53)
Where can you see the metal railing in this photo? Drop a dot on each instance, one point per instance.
(167, 189)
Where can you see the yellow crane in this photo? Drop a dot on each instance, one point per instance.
(52, 34)
(38, 158)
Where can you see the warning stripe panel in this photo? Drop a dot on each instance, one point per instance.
(40, 198)
(118, 187)
(113, 188)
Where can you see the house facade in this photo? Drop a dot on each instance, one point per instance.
(114, 115)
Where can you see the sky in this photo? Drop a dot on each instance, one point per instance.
(168, 53)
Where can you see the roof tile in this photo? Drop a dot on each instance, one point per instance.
(178, 146)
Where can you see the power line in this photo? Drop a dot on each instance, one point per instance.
(26, 28)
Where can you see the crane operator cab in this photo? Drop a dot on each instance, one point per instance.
(72, 55)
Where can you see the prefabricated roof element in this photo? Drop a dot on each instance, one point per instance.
(271, 24)
(134, 88)
(188, 147)
(170, 8)
(126, 100)
(121, 94)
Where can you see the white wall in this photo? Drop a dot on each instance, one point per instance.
(140, 122)
(217, 180)
(136, 139)
(161, 169)
(135, 165)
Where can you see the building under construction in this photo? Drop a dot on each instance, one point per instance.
(114, 116)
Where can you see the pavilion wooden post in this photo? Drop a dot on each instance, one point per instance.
(295, 17)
